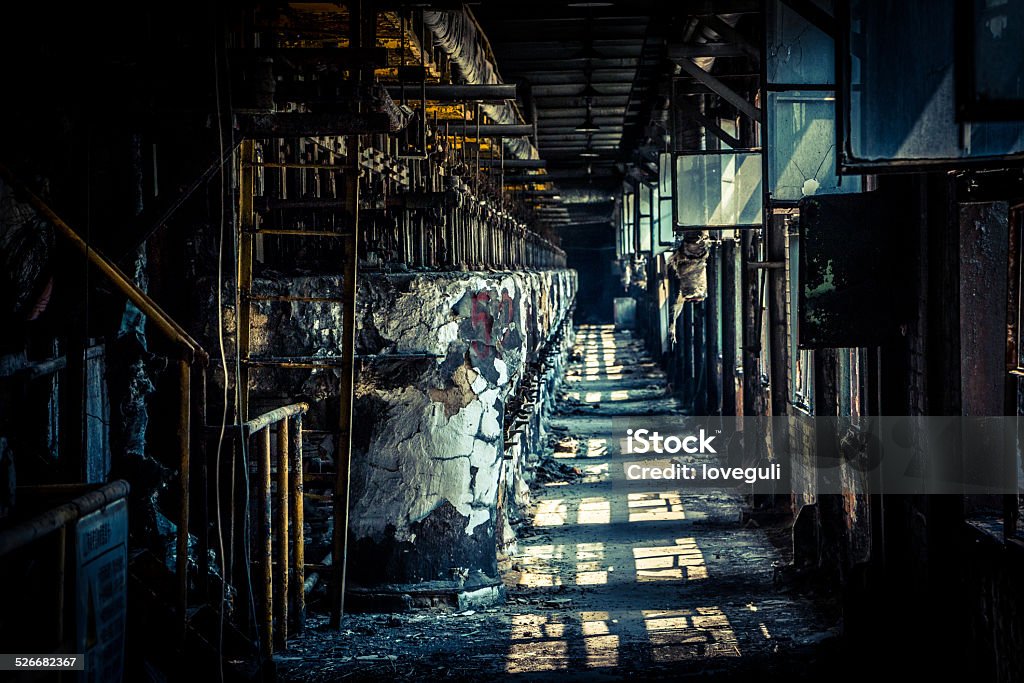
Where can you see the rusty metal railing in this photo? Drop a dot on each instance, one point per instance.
(55, 521)
(193, 361)
(279, 537)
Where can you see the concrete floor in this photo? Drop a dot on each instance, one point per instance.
(610, 581)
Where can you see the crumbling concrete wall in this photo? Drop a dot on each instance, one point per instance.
(439, 358)
(429, 463)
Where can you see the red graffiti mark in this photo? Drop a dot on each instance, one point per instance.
(483, 324)
(506, 313)
(484, 320)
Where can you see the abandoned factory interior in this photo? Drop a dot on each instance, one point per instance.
(518, 340)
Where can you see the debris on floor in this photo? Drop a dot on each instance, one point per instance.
(606, 580)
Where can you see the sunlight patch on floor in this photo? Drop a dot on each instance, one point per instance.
(678, 635)
(594, 511)
(536, 644)
(684, 560)
(540, 565)
(550, 513)
(602, 647)
(655, 506)
(590, 567)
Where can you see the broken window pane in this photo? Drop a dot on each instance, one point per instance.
(802, 144)
(798, 52)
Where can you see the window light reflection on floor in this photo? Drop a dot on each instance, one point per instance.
(590, 564)
(602, 647)
(594, 511)
(690, 634)
(540, 565)
(684, 560)
(550, 513)
(540, 642)
(536, 644)
(655, 506)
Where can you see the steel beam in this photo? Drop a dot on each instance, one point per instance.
(513, 163)
(459, 93)
(729, 33)
(692, 112)
(293, 124)
(677, 52)
(727, 93)
(490, 130)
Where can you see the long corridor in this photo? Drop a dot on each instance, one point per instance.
(609, 580)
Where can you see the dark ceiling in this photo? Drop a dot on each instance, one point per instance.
(554, 49)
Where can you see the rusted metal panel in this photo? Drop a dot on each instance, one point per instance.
(849, 276)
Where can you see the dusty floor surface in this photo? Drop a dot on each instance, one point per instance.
(611, 581)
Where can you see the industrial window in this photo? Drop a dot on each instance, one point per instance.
(899, 94)
(626, 228)
(801, 371)
(666, 227)
(802, 146)
(989, 59)
(801, 107)
(718, 188)
(644, 217)
(1015, 350)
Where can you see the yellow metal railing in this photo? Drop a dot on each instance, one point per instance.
(194, 360)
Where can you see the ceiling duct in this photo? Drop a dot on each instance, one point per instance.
(585, 195)
(460, 37)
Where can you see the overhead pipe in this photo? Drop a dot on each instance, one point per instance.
(459, 36)
(498, 130)
(513, 163)
(483, 92)
(52, 520)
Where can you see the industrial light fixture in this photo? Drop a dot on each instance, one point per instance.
(589, 152)
(588, 125)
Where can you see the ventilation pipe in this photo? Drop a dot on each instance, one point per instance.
(458, 34)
